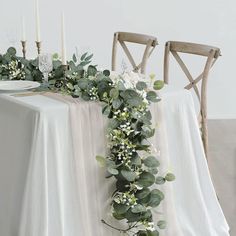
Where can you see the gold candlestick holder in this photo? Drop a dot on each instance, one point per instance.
(38, 45)
(23, 43)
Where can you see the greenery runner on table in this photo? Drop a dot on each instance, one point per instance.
(131, 160)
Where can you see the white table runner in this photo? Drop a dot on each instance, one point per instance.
(50, 183)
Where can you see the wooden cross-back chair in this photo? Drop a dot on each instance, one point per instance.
(122, 38)
(212, 54)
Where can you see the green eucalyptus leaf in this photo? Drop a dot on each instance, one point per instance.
(113, 124)
(59, 72)
(83, 56)
(160, 180)
(118, 216)
(101, 160)
(84, 63)
(152, 96)
(161, 224)
(135, 101)
(132, 97)
(55, 56)
(158, 84)
(111, 164)
(143, 147)
(151, 161)
(170, 177)
(85, 96)
(112, 171)
(83, 83)
(106, 110)
(34, 62)
(132, 217)
(116, 103)
(142, 233)
(148, 115)
(138, 208)
(74, 58)
(120, 208)
(106, 73)
(153, 171)
(114, 93)
(7, 57)
(128, 175)
(129, 93)
(11, 51)
(77, 93)
(158, 192)
(103, 87)
(72, 66)
(152, 233)
(155, 198)
(141, 85)
(136, 161)
(92, 70)
(142, 193)
(88, 58)
(146, 179)
(100, 76)
(121, 86)
(147, 215)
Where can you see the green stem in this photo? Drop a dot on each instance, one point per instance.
(120, 230)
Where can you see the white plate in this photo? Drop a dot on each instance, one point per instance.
(18, 85)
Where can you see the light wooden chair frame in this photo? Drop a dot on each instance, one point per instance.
(212, 54)
(122, 38)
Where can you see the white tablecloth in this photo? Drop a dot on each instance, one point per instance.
(51, 185)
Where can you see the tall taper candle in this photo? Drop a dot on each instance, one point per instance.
(23, 30)
(38, 39)
(63, 40)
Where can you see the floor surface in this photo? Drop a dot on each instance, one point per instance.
(222, 164)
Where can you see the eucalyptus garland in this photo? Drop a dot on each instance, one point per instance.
(131, 160)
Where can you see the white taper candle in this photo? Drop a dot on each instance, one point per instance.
(63, 40)
(38, 38)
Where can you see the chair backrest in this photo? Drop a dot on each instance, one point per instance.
(212, 54)
(122, 38)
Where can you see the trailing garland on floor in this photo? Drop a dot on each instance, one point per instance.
(130, 160)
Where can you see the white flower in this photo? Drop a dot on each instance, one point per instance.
(129, 79)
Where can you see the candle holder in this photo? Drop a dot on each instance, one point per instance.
(65, 68)
(38, 45)
(23, 43)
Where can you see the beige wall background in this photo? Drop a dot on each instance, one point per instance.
(90, 25)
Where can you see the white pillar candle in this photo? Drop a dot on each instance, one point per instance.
(23, 29)
(37, 21)
(63, 40)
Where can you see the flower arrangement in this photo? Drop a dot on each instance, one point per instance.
(131, 160)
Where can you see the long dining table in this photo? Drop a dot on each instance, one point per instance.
(51, 184)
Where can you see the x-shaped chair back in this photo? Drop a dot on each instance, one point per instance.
(212, 54)
(122, 38)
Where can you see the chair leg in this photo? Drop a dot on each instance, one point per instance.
(205, 136)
